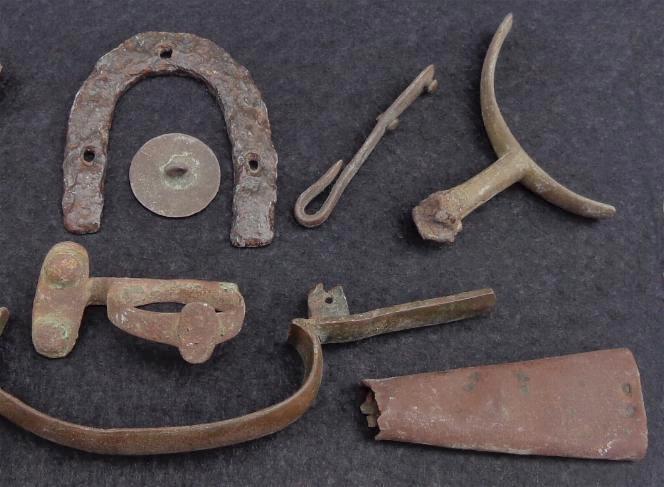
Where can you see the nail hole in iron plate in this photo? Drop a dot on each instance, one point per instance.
(329, 300)
(166, 53)
(89, 155)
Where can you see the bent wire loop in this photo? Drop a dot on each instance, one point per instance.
(439, 216)
(329, 321)
(388, 120)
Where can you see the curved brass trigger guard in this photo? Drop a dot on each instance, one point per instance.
(329, 321)
(388, 120)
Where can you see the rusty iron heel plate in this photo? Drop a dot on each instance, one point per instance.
(162, 53)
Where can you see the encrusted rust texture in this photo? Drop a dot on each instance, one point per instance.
(588, 405)
(163, 53)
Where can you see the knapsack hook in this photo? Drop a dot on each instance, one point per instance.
(388, 120)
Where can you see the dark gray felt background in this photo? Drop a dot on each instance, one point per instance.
(580, 84)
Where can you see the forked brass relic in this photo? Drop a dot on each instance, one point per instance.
(439, 217)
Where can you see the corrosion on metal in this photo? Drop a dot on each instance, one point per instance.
(162, 53)
(179, 439)
(174, 175)
(587, 405)
(388, 120)
(330, 319)
(439, 216)
(213, 312)
(306, 335)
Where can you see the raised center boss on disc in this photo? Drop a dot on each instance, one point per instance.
(174, 175)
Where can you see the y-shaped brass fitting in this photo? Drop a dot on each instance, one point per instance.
(439, 216)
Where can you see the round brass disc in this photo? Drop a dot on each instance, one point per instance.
(174, 175)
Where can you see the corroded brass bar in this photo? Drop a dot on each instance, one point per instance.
(439, 216)
(587, 405)
(344, 327)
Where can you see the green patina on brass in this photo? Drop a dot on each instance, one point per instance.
(213, 312)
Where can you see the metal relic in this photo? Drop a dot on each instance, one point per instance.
(161, 53)
(388, 120)
(329, 321)
(439, 216)
(213, 312)
(174, 175)
(587, 405)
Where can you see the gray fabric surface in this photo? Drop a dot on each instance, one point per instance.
(580, 84)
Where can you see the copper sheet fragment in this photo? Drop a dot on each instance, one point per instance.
(587, 405)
